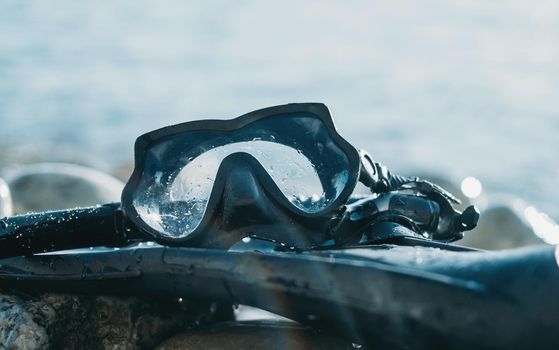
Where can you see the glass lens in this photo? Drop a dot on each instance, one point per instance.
(296, 151)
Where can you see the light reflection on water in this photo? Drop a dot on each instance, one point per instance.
(543, 226)
(457, 88)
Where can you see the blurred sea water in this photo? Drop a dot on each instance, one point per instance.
(457, 88)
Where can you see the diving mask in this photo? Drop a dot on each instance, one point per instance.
(289, 157)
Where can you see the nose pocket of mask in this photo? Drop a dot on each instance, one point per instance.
(243, 196)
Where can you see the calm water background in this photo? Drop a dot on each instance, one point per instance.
(456, 88)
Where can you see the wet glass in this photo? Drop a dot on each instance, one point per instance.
(296, 151)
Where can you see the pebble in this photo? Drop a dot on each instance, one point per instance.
(52, 321)
(5, 199)
(53, 186)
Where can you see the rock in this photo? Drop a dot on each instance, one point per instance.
(255, 335)
(501, 224)
(5, 199)
(18, 329)
(52, 186)
(54, 321)
(123, 171)
(501, 227)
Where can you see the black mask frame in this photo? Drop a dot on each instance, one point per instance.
(266, 208)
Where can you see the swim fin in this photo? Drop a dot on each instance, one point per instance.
(381, 295)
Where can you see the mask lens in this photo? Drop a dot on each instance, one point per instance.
(296, 151)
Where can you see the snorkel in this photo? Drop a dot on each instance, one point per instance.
(282, 174)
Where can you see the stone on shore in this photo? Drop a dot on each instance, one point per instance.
(5, 199)
(501, 227)
(53, 186)
(53, 321)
